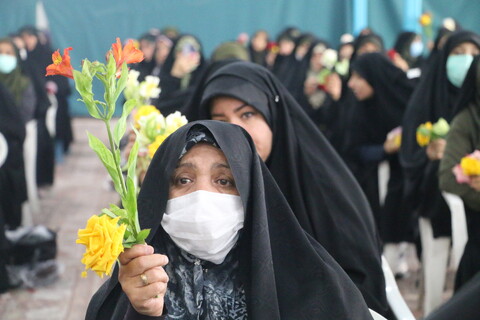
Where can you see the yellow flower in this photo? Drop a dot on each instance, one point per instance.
(152, 148)
(144, 111)
(470, 166)
(103, 239)
(424, 133)
(398, 140)
(425, 19)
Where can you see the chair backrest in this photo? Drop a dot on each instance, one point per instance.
(3, 149)
(394, 297)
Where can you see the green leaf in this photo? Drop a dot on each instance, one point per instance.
(122, 82)
(130, 200)
(121, 125)
(110, 88)
(132, 160)
(142, 235)
(83, 84)
(107, 159)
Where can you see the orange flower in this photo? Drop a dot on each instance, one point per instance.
(128, 54)
(61, 65)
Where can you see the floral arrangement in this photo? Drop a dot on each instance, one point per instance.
(143, 91)
(468, 167)
(428, 132)
(107, 234)
(152, 129)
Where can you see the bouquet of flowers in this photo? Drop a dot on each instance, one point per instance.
(143, 91)
(107, 234)
(426, 21)
(469, 166)
(152, 129)
(396, 136)
(427, 132)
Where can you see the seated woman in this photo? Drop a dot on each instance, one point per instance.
(463, 139)
(226, 243)
(322, 193)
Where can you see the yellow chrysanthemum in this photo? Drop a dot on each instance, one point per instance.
(144, 111)
(470, 166)
(424, 133)
(152, 148)
(425, 19)
(103, 239)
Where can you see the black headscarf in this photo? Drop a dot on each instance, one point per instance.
(286, 274)
(363, 39)
(15, 81)
(323, 194)
(392, 90)
(402, 46)
(435, 97)
(375, 117)
(175, 92)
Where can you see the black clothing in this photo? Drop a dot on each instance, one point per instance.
(176, 92)
(323, 194)
(463, 305)
(13, 187)
(286, 274)
(434, 98)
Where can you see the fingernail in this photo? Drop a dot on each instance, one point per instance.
(149, 249)
(166, 259)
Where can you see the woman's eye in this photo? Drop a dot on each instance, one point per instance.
(248, 114)
(183, 180)
(224, 182)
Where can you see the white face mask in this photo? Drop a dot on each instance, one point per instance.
(204, 224)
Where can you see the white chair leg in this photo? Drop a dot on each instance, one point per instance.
(434, 261)
(459, 227)
(383, 176)
(30, 157)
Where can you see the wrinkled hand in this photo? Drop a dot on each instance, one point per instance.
(143, 279)
(475, 183)
(435, 149)
(185, 63)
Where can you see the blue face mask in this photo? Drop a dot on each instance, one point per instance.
(416, 49)
(457, 68)
(7, 63)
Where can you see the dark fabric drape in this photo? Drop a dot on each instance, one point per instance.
(323, 194)
(286, 274)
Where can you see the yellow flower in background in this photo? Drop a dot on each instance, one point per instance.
(470, 166)
(424, 133)
(425, 19)
(103, 239)
(144, 111)
(152, 148)
(398, 140)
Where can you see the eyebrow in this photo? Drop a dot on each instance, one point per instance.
(240, 107)
(192, 166)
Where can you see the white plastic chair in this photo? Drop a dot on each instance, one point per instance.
(3, 149)
(30, 158)
(376, 316)
(50, 119)
(459, 226)
(395, 300)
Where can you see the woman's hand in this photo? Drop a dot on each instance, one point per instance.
(435, 149)
(475, 183)
(185, 63)
(143, 279)
(333, 86)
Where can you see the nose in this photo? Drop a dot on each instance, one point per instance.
(205, 183)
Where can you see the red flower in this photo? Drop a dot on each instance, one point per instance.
(128, 54)
(61, 65)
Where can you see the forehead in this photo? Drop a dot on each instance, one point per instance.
(6, 46)
(203, 154)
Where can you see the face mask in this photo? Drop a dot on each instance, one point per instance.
(457, 68)
(416, 49)
(204, 224)
(7, 63)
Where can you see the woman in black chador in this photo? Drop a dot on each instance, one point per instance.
(180, 73)
(322, 193)
(247, 259)
(435, 97)
(382, 91)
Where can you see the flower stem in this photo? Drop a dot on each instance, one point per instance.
(117, 164)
